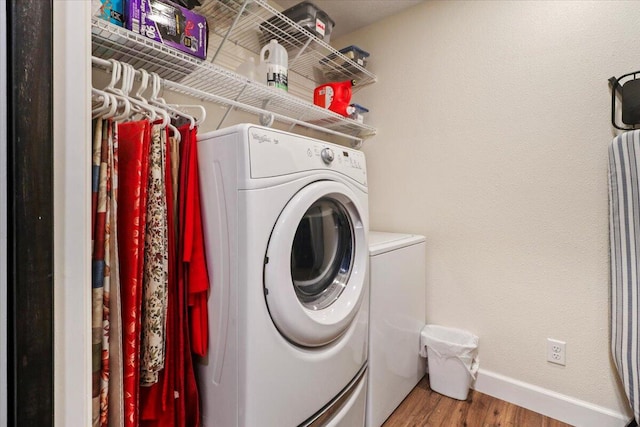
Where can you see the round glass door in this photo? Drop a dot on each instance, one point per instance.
(322, 254)
(315, 264)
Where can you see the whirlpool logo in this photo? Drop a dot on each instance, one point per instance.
(261, 138)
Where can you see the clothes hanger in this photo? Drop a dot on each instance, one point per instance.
(111, 110)
(198, 120)
(114, 107)
(106, 101)
(116, 94)
(142, 107)
(144, 75)
(160, 102)
(142, 102)
(176, 133)
(166, 118)
(109, 106)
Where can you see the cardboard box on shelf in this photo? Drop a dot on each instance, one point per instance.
(109, 10)
(169, 24)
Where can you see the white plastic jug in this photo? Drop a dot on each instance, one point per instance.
(275, 60)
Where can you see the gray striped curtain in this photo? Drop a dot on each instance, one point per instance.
(624, 234)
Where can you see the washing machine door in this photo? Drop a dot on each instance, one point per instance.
(314, 275)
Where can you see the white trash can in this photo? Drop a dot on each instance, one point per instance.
(452, 356)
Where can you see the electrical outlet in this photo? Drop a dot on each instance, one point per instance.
(556, 352)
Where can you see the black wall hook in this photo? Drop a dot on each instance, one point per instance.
(629, 93)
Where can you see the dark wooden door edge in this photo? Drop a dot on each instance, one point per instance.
(30, 212)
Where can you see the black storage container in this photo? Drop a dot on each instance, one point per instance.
(354, 53)
(305, 14)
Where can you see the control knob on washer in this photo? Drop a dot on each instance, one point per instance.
(327, 155)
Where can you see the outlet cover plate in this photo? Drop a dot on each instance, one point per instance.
(556, 351)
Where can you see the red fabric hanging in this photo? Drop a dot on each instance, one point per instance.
(174, 400)
(133, 165)
(195, 267)
(190, 250)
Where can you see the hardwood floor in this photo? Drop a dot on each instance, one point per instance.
(426, 408)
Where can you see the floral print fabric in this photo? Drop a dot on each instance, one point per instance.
(149, 279)
(104, 261)
(156, 264)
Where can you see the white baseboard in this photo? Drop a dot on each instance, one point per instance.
(546, 402)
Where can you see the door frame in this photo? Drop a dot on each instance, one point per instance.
(3, 210)
(72, 207)
(30, 263)
(47, 124)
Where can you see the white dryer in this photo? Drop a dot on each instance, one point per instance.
(286, 224)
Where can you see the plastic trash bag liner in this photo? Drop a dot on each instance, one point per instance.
(451, 343)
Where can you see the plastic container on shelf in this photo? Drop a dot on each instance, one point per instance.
(354, 53)
(358, 112)
(334, 67)
(335, 96)
(312, 18)
(305, 14)
(274, 59)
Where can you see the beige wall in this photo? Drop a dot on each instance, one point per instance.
(493, 126)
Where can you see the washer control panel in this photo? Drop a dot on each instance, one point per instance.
(275, 153)
(327, 155)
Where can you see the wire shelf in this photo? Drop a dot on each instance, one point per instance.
(253, 23)
(204, 80)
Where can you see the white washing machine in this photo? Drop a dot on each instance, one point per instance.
(397, 315)
(286, 224)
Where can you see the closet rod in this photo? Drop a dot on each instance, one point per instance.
(206, 96)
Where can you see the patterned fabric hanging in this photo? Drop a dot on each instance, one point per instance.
(115, 395)
(104, 262)
(97, 268)
(158, 402)
(149, 278)
(156, 264)
(133, 153)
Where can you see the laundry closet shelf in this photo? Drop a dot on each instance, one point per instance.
(208, 81)
(253, 23)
